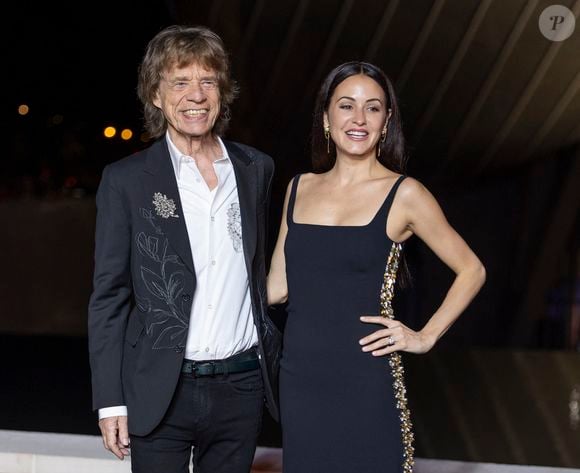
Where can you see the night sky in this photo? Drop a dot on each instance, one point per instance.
(78, 61)
(75, 66)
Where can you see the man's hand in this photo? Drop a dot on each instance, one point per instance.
(115, 435)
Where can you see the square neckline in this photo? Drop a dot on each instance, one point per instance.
(294, 193)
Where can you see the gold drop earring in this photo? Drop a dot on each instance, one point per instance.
(327, 136)
(382, 140)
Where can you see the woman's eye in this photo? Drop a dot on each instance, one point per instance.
(345, 106)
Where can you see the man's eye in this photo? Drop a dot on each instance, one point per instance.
(209, 84)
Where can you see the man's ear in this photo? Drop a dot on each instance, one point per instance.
(157, 99)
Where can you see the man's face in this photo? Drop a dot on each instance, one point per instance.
(190, 100)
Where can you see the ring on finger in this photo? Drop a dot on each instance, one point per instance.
(390, 341)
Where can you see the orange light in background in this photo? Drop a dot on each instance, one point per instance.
(126, 134)
(23, 109)
(109, 132)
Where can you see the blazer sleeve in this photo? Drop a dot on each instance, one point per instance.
(111, 299)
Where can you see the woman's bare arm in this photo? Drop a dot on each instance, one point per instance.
(276, 283)
(423, 217)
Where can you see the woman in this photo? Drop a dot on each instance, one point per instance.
(342, 393)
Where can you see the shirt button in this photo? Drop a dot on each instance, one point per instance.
(207, 350)
(212, 218)
(213, 262)
(210, 307)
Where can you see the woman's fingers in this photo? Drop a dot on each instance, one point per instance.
(375, 336)
(394, 337)
(388, 341)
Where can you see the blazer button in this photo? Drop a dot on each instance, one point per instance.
(178, 349)
(186, 297)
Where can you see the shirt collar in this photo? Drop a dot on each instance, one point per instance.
(177, 157)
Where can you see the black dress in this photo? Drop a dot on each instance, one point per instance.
(342, 410)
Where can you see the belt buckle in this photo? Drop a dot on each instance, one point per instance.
(207, 366)
(212, 370)
(194, 368)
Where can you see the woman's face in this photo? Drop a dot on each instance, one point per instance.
(357, 114)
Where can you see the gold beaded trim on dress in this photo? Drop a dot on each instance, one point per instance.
(395, 361)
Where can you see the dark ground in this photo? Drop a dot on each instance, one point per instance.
(46, 387)
(484, 405)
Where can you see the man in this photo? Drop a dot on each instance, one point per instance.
(182, 351)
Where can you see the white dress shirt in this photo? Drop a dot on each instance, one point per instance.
(221, 322)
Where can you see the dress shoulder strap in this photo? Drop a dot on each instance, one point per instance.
(383, 213)
(396, 185)
(292, 200)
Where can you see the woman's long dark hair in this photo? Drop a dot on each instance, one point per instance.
(393, 154)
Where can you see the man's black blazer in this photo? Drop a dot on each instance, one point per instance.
(144, 281)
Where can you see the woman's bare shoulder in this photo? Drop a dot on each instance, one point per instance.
(310, 177)
(411, 187)
(306, 181)
(412, 192)
(309, 180)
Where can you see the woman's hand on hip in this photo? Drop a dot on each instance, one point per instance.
(394, 336)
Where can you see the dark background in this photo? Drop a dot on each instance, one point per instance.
(491, 111)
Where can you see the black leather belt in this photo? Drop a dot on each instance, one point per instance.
(245, 361)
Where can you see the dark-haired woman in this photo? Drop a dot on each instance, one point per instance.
(342, 393)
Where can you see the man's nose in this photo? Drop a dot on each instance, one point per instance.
(196, 93)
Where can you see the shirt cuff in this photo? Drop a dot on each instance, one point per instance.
(112, 411)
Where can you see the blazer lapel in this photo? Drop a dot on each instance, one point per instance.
(159, 178)
(245, 171)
